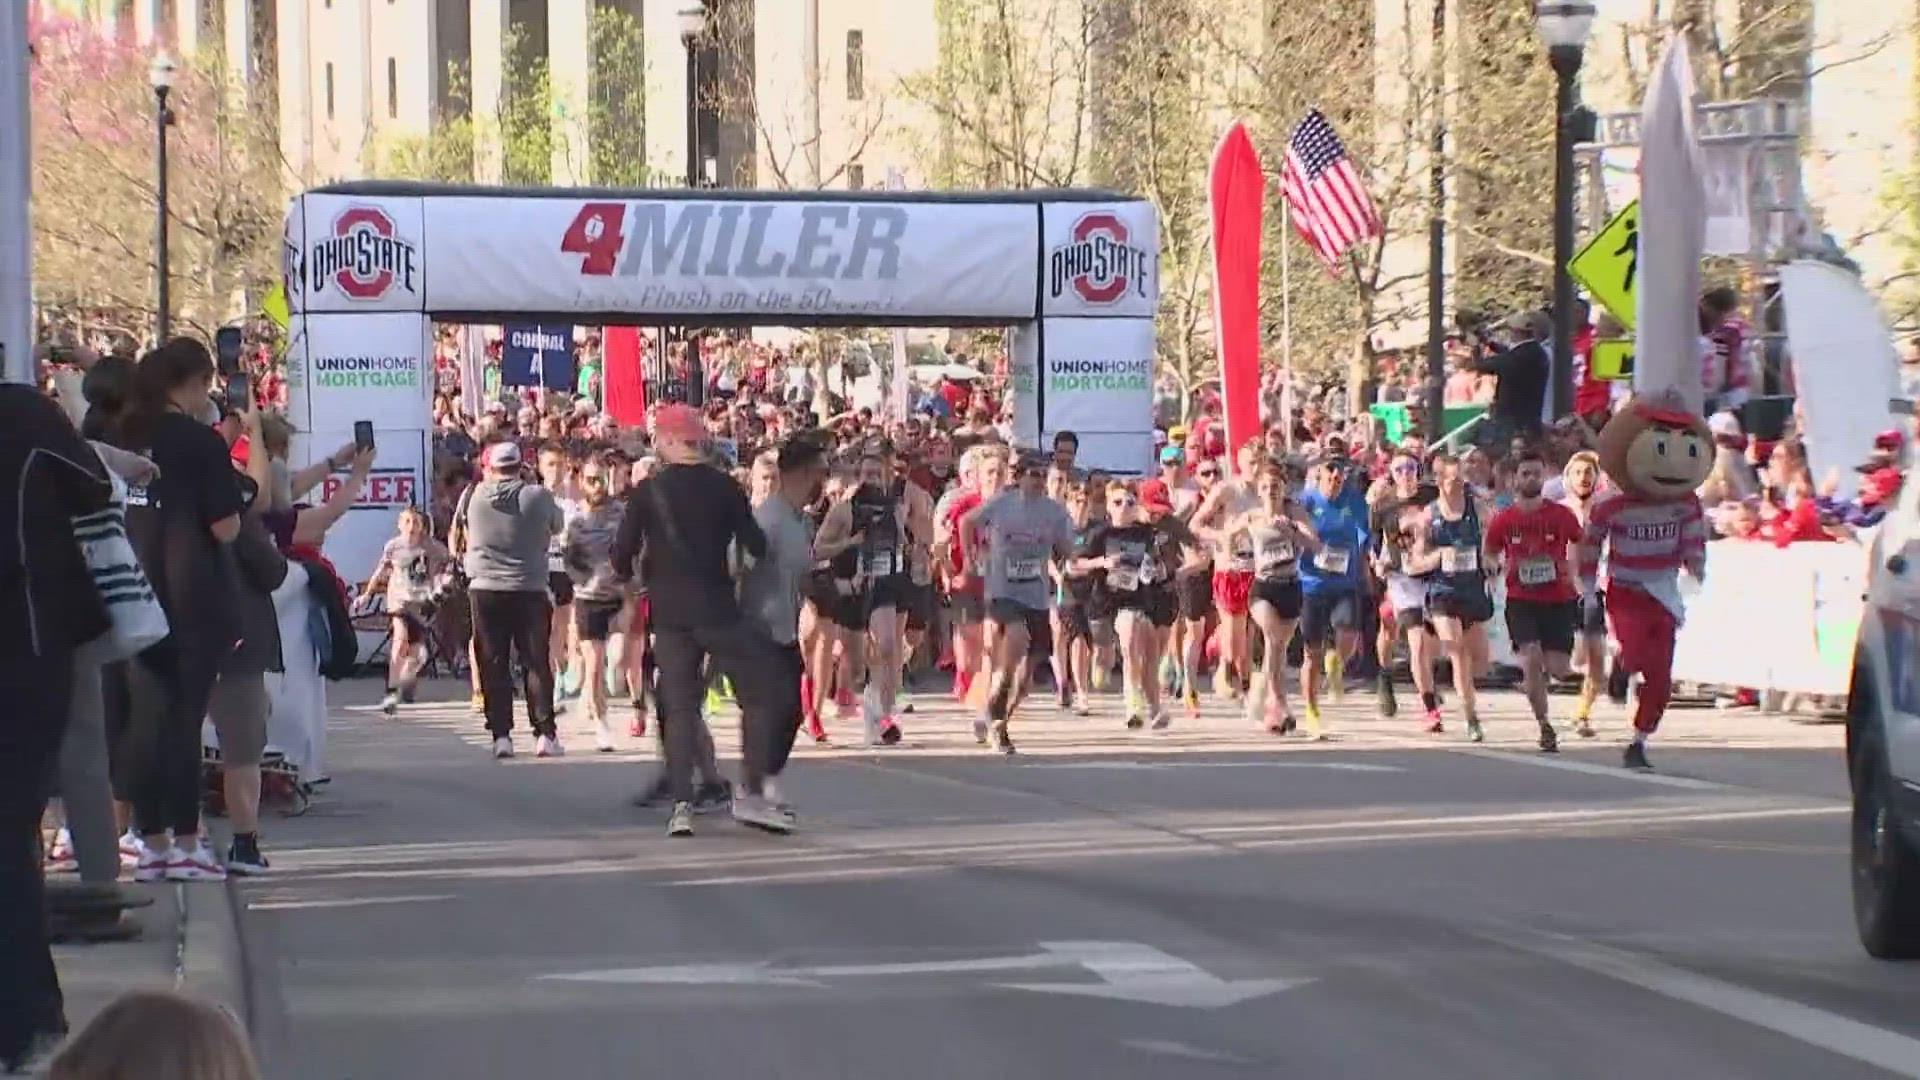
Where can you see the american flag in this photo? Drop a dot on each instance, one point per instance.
(1330, 206)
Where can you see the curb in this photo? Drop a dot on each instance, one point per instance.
(211, 963)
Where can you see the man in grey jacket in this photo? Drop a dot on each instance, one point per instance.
(506, 524)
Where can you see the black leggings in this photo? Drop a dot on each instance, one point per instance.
(164, 693)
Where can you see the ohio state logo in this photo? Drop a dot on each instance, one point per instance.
(365, 257)
(1101, 263)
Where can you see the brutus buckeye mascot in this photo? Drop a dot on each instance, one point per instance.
(1656, 452)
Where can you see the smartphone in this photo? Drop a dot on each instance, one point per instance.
(239, 392)
(363, 435)
(226, 349)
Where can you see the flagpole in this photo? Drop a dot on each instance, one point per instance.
(1286, 321)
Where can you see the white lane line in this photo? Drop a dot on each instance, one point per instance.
(1172, 1048)
(1889, 1050)
(1128, 766)
(1566, 764)
(342, 902)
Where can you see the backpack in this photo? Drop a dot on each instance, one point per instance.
(330, 624)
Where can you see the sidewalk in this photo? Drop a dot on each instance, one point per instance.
(188, 942)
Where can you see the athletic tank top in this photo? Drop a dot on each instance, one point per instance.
(1275, 553)
(1458, 542)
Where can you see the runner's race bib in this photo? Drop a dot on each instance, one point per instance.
(138, 495)
(1537, 570)
(1276, 560)
(879, 564)
(1025, 567)
(1151, 572)
(1459, 560)
(1242, 561)
(1125, 576)
(1333, 560)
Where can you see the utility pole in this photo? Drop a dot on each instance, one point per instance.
(1436, 395)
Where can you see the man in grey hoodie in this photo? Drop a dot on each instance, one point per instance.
(508, 523)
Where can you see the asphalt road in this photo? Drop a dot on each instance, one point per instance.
(1206, 902)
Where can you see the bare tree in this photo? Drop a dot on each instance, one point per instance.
(96, 189)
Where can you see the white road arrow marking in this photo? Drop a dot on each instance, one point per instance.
(1142, 973)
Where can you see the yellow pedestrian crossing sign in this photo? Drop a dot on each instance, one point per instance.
(1609, 266)
(1612, 360)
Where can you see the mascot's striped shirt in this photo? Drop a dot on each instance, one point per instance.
(1646, 542)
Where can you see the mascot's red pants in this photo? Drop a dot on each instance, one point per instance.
(1645, 630)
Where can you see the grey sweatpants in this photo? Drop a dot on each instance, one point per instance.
(85, 784)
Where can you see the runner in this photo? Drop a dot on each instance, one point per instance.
(1388, 500)
(1582, 479)
(1278, 531)
(407, 568)
(868, 533)
(917, 603)
(1533, 540)
(586, 545)
(1457, 600)
(1405, 609)
(556, 475)
(1330, 583)
(1193, 590)
(1130, 555)
(983, 474)
(1232, 572)
(1015, 532)
(1074, 608)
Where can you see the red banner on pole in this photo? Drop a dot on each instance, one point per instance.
(1237, 190)
(623, 384)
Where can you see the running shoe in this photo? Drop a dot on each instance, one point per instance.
(980, 727)
(760, 812)
(151, 863)
(548, 746)
(1064, 698)
(390, 705)
(197, 864)
(1383, 689)
(1336, 666)
(244, 858)
(1002, 741)
(603, 735)
(408, 693)
(61, 858)
(1474, 732)
(637, 727)
(1636, 757)
(1313, 718)
(478, 703)
(680, 822)
(1549, 739)
(1162, 720)
(1434, 724)
(1584, 728)
(890, 733)
(1288, 723)
(502, 748)
(1080, 706)
(815, 729)
(129, 848)
(1134, 720)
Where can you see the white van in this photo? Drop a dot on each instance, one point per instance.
(1883, 738)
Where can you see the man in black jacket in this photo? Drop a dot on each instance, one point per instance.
(680, 525)
(48, 609)
(1525, 372)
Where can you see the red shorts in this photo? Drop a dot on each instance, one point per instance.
(1232, 590)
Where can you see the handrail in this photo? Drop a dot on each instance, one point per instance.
(1446, 441)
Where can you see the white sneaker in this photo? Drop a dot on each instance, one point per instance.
(980, 725)
(60, 856)
(603, 735)
(129, 849)
(150, 864)
(390, 705)
(1162, 719)
(548, 746)
(762, 813)
(502, 748)
(195, 865)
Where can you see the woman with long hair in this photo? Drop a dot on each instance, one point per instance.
(1278, 532)
(180, 526)
(1135, 558)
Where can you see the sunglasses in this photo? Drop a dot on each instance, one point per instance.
(1407, 468)
(1207, 473)
(1123, 504)
(591, 478)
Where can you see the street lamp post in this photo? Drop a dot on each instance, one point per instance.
(693, 27)
(1564, 26)
(161, 75)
